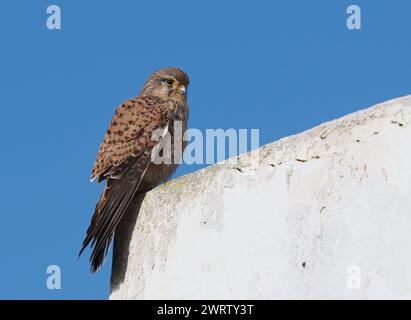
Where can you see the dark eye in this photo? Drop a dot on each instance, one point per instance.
(170, 82)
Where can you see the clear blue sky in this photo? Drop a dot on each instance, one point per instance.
(280, 66)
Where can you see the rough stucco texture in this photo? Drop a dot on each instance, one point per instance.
(322, 214)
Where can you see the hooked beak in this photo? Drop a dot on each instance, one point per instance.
(182, 89)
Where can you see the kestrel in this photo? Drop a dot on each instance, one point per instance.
(125, 157)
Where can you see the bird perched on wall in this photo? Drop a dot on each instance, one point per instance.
(125, 158)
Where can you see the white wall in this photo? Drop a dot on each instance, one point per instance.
(322, 214)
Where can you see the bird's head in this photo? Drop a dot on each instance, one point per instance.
(168, 83)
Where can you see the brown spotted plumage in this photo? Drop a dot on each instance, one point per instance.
(125, 156)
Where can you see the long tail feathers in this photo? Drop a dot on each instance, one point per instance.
(118, 193)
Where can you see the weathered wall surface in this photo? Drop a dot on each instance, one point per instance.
(322, 214)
